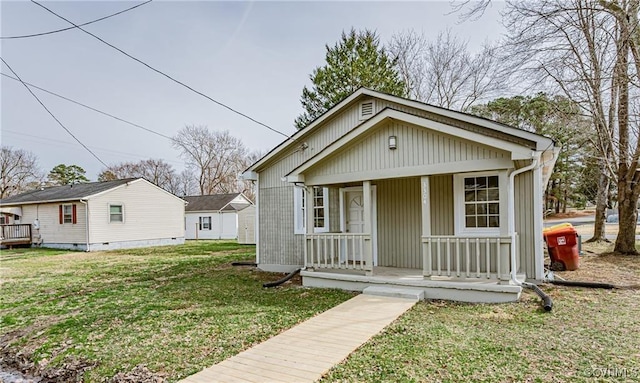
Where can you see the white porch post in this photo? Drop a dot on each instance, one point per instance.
(504, 249)
(308, 224)
(368, 227)
(426, 226)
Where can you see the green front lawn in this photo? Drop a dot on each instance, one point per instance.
(179, 309)
(176, 309)
(590, 335)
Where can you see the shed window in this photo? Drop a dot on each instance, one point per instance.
(116, 213)
(320, 210)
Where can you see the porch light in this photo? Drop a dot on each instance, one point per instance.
(393, 142)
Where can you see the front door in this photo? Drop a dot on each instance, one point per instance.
(352, 212)
(355, 212)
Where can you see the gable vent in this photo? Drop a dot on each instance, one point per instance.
(366, 109)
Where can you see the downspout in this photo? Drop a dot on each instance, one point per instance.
(511, 209)
(86, 221)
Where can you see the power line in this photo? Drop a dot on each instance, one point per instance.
(81, 25)
(53, 141)
(52, 115)
(162, 73)
(92, 108)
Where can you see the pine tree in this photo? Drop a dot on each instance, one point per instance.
(357, 60)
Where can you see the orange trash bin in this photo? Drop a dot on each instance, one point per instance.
(562, 242)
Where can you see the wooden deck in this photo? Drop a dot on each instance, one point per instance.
(14, 235)
(307, 351)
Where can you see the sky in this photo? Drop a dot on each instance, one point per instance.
(253, 56)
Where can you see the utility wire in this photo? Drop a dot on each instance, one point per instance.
(61, 143)
(52, 115)
(92, 108)
(162, 73)
(81, 25)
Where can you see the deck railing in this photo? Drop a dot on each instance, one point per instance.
(466, 257)
(15, 234)
(339, 251)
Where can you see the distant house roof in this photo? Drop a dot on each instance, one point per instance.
(72, 192)
(215, 202)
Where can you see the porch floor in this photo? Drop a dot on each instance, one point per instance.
(477, 290)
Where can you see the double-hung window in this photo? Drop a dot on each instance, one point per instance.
(116, 213)
(319, 209)
(205, 223)
(67, 213)
(478, 203)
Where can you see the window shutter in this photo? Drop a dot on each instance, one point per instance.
(210, 223)
(199, 223)
(74, 217)
(61, 218)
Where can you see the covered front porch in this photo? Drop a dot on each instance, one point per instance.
(401, 233)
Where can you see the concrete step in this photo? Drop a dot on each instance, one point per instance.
(395, 292)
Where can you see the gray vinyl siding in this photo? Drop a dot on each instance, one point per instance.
(334, 209)
(382, 104)
(399, 240)
(399, 223)
(416, 146)
(525, 224)
(441, 202)
(271, 175)
(278, 243)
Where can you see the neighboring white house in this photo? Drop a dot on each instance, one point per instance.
(100, 215)
(217, 216)
(382, 190)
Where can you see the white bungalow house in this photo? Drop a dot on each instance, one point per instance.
(96, 216)
(382, 190)
(220, 216)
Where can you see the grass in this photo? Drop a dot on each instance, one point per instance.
(179, 309)
(175, 309)
(591, 335)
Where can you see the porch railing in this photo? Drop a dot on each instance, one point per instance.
(339, 251)
(466, 257)
(15, 234)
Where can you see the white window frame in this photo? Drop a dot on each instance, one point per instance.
(299, 211)
(121, 212)
(459, 205)
(64, 213)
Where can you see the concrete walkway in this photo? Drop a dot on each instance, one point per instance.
(305, 352)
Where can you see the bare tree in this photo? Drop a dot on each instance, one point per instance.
(444, 72)
(249, 187)
(590, 50)
(156, 171)
(19, 171)
(216, 158)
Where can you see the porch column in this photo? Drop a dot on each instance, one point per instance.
(309, 224)
(504, 250)
(368, 227)
(426, 226)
